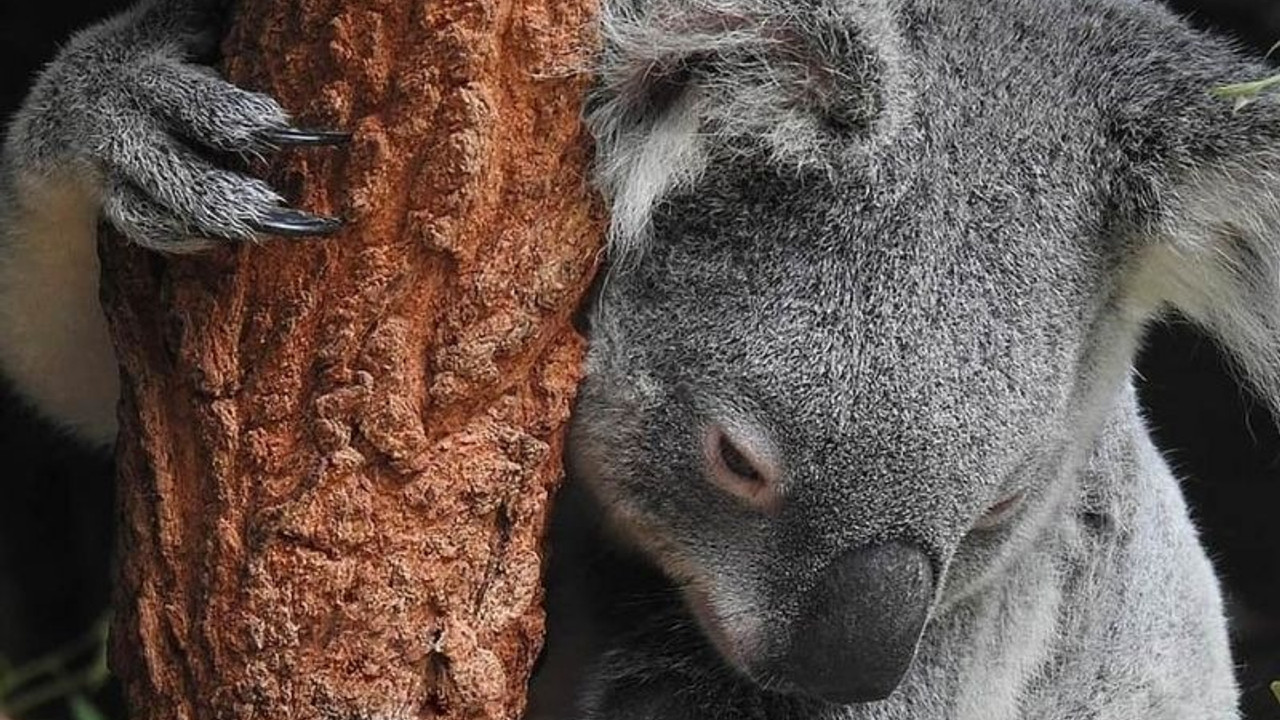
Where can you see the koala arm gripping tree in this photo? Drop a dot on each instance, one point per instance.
(334, 455)
(116, 127)
(858, 393)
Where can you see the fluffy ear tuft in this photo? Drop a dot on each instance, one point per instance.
(803, 82)
(1216, 259)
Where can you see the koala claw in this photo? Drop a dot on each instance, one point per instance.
(291, 136)
(288, 222)
(124, 107)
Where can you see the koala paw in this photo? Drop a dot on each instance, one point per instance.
(126, 104)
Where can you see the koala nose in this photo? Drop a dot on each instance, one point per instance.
(859, 634)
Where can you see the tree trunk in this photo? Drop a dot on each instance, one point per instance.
(335, 455)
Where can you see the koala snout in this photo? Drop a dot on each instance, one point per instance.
(857, 636)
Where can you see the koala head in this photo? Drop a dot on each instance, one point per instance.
(878, 273)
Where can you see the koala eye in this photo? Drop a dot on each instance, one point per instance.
(735, 468)
(739, 465)
(997, 514)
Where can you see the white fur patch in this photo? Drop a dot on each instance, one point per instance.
(670, 155)
(1217, 260)
(681, 78)
(54, 345)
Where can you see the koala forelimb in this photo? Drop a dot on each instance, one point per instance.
(114, 128)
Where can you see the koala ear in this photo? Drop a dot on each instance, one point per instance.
(803, 82)
(1213, 253)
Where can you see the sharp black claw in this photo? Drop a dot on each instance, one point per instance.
(298, 136)
(288, 222)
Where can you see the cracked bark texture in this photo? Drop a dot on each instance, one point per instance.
(336, 455)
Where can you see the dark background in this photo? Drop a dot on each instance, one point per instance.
(55, 501)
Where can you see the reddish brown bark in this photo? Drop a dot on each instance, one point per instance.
(335, 455)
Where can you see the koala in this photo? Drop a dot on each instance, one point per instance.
(857, 438)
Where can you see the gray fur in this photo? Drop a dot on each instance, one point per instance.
(123, 103)
(923, 312)
(901, 254)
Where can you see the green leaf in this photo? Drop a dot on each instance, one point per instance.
(1246, 93)
(83, 709)
(1275, 689)
(6, 670)
(65, 675)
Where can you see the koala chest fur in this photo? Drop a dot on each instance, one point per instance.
(857, 439)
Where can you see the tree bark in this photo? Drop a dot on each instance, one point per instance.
(335, 455)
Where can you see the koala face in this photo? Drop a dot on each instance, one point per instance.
(845, 370)
(807, 396)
